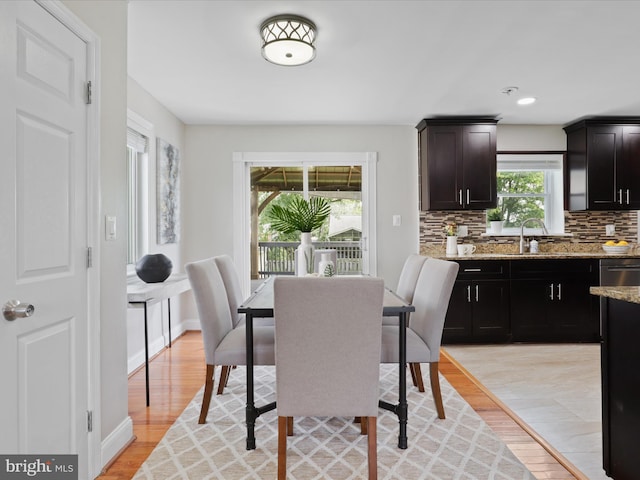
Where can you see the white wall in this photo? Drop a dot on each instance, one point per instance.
(207, 177)
(108, 19)
(169, 128)
(531, 137)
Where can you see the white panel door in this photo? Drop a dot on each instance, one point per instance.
(43, 234)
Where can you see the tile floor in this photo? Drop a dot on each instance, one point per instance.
(555, 389)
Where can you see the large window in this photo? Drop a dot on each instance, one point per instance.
(530, 186)
(138, 145)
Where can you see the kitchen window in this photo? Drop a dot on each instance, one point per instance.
(530, 186)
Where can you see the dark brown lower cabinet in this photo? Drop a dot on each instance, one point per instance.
(541, 300)
(550, 301)
(620, 389)
(479, 306)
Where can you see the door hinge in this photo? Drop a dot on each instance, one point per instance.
(88, 100)
(89, 257)
(89, 421)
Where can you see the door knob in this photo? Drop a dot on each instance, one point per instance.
(14, 309)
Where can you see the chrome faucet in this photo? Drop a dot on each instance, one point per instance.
(536, 220)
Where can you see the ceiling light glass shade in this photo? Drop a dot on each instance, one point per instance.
(526, 101)
(288, 40)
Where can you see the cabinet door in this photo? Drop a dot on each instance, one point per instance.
(573, 312)
(490, 310)
(529, 310)
(443, 168)
(457, 325)
(604, 153)
(629, 171)
(479, 166)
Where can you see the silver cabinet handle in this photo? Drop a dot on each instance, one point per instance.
(477, 293)
(559, 296)
(551, 296)
(627, 196)
(468, 197)
(460, 197)
(14, 309)
(468, 293)
(620, 196)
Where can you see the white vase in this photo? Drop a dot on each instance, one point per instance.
(452, 245)
(496, 226)
(305, 255)
(326, 268)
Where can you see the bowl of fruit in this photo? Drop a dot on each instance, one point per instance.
(619, 247)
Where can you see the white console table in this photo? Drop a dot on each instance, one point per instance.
(144, 294)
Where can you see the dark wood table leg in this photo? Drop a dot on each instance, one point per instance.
(403, 407)
(169, 318)
(146, 351)
(251, 413)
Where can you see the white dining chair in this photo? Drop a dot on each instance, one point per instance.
(231, 281)
(424, 333)
(223, 344)
(328, 341)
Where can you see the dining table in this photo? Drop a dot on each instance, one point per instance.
(260, 305)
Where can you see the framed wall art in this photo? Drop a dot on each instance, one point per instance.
(168, 192)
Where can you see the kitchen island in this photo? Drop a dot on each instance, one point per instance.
(620, 364)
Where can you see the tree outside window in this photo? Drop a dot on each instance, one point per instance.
(521, 195)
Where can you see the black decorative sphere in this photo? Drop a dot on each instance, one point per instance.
(154, 268)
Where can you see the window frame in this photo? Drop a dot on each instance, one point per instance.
(138, 189)
(551, 163)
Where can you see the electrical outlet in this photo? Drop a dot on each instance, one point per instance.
(463, 230)
(610, 230)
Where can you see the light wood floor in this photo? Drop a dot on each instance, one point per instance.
(177, 374)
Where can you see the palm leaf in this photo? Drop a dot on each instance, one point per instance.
(300, 215)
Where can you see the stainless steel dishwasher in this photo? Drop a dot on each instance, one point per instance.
(619, 272)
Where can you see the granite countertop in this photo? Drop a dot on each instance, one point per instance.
(627, 294)
(529, 256)
(509, 251)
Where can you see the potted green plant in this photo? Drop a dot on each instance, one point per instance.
(303, 216)
(495, 218)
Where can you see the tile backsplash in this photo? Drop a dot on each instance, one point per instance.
(587, 230)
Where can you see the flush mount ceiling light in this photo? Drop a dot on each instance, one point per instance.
(288, 40)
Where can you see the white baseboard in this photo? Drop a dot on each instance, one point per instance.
(156, 345)
(192, 324)
(118, 439)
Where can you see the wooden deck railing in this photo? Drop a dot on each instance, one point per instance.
(277, 258)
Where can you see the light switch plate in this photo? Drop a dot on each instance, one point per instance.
(463, 230)
(397, 220)
(110, 228)
(610, 229)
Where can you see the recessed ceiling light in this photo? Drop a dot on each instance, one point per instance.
(526, 101)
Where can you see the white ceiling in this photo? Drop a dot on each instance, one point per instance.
(390, 62)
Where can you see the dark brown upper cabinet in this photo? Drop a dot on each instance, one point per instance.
(603, 164)
(457, 163)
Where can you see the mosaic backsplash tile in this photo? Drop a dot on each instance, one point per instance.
(587, 229)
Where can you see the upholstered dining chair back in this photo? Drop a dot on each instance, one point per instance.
(327, 345)
(409, 276)
(231, 282)
(407, 282)
(212, 303)
(328, 337)
(431, 301)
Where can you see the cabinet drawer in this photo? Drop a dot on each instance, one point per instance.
(554, 268)
(483, 269)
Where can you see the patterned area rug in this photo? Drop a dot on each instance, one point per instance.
(460, 447)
